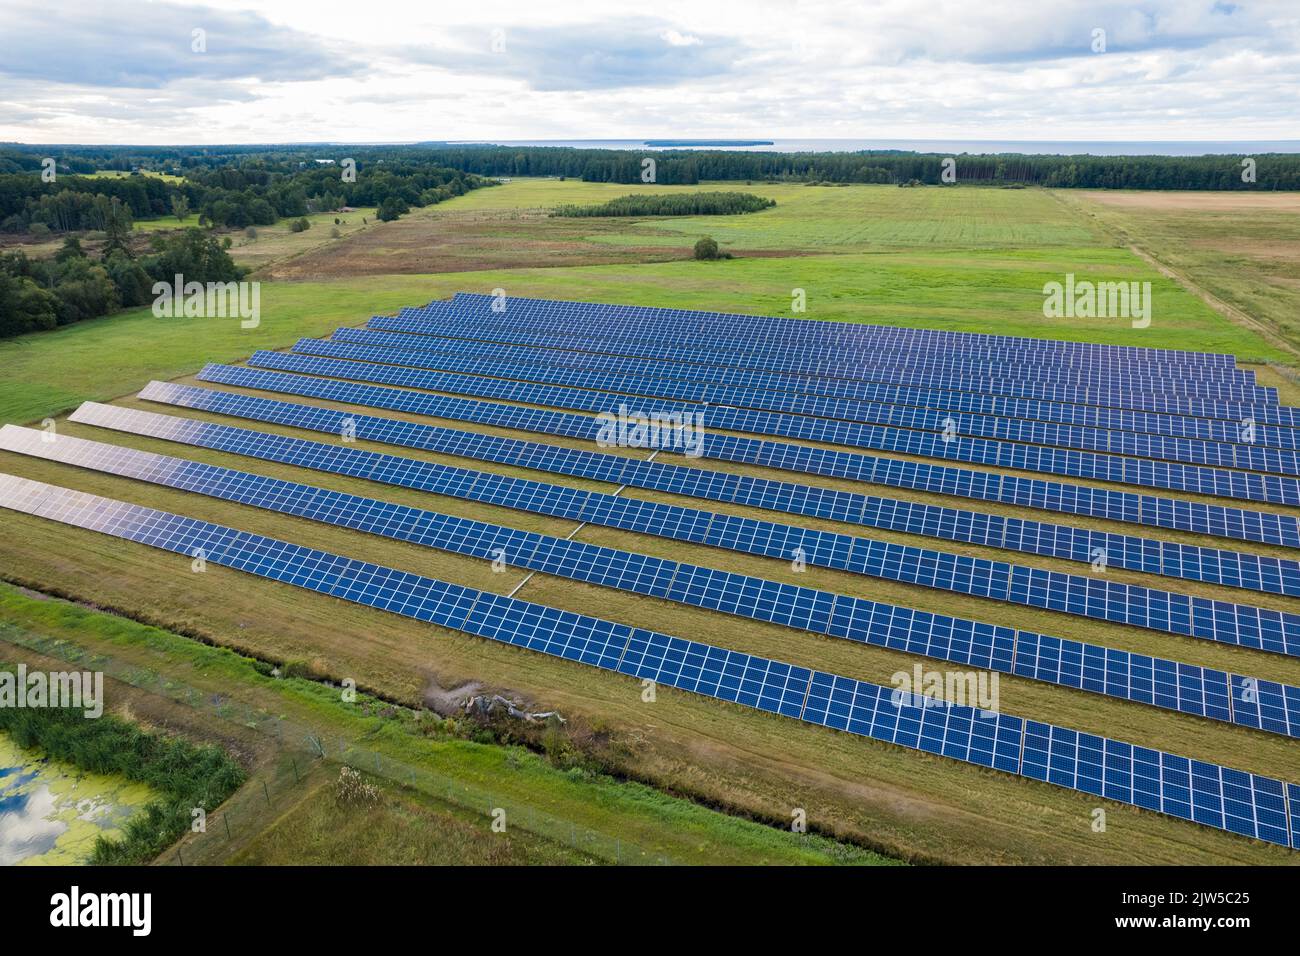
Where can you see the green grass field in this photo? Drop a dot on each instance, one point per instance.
(965, 259)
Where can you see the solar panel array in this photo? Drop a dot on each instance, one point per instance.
(970, 414)
(915, 368)
(1178, 426)
(1174, 476)
(1195, 517)
(1230, 568)
(1207, 793)
(1188, 450)
(1226, 622)
(1264, 705)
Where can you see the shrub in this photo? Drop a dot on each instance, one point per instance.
(706, 248)
(299, 225)
(353, 790)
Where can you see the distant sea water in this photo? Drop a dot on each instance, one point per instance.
(954, 146)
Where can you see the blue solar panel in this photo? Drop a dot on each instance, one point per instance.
(836, 344)
(1097, 669)
(1207, 793)
(1027, 493)
(1114, 419)
(1227, 385)
(595, 315)
(1167, 448)
(529, 323)
(1134, 471)
(760, 537)
(1013, 386)
(1237, 624)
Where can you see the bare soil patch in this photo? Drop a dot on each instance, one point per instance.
(1198, 201)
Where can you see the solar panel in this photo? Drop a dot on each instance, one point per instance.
(1249, 457)
(1224, 622)
(1246, 803)
(1207, 565)
(1216, 520)
(1133, 471)
(557, 327)
(1065, 379)
(1264, 411)
(1111, 419)
(838, 341)
(596, 314)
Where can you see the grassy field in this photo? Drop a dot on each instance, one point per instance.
(1242, 248)
(126, 174)
(966, 259)
(965, 289)
(175, 679)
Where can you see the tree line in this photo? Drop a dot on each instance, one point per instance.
(671, 167)
(71, 286)
(672, 204)
(249, 190)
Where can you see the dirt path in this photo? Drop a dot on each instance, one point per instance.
(1228, 311)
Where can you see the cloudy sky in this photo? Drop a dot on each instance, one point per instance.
(130, 71)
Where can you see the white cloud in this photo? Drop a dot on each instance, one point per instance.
(281, 70)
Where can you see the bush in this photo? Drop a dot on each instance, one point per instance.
(353, 790)
(184, 775)
(251, 233)
(39, 230)
(299, 225)
(672, 204)
(706, 248)
(391, 208)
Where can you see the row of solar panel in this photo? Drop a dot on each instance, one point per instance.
(836, 341)
(957, 402)
(1207, 565)
(467, 319)
(1249, 457)
(1233, 385)
(1186, 688)
(1221, 621)
(1216, 520)
(1210, 794)
(1006, 386)
(1198, 479)
(624, 315)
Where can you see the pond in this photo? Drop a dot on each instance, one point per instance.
(51, 813)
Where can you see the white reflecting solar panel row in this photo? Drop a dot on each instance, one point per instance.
(1197, 479)
(1250, 457)
(1094, 668)
(595, 314)
(1217, 520)
(1207, 565)
(870, 364)
(1266, 411)
(1110, 419)
(1242, 803)
(1225, 622)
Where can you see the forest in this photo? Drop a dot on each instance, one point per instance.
(680, 204)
